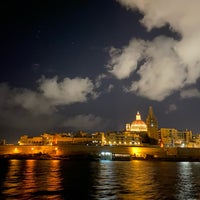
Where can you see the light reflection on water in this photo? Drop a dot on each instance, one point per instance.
(148, 180)
(27, 179)
(135, 180)
(104, 180)
(187, 184)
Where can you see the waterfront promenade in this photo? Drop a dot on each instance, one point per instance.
(84, 151)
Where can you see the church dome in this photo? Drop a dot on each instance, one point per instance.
(137, 125)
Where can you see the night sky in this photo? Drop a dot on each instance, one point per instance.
(91, 65)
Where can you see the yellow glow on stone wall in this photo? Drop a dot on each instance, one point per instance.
(137, 152)
(16, 150)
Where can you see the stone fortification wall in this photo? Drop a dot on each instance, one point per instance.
(188, 152)
(67, 150)
(80, 149)
(16, 149)
(134, 151)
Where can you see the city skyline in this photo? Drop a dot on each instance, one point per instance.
(92, 65)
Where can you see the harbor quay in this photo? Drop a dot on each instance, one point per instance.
(99, 152)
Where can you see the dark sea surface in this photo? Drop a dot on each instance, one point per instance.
(63, 179)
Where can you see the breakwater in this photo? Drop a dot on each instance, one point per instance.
(107, 152)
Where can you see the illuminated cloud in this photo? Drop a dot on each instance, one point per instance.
(67, 91)
(158, 74)
(190, 93)
(33, 102)
(99, 79)
(20, 117)
(50, 94)
(83, 122)
(102, 86)
(167, 65)
(124, 61)
(110, 87)
(31, 112)
(171, 108)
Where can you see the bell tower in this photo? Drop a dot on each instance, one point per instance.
(152, 125)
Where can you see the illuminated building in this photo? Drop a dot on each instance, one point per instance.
(152, 125)
(122, 138)
(26, 140)
(137, 125)
(63, 139)
(2, 141)
(44, 139)
(195, 142)
(175, 138)
(136, 133)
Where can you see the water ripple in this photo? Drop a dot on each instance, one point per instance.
(48, 179)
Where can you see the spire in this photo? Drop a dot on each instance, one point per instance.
(150, 111)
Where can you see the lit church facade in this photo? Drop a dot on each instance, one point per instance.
(137, 125)
(137, 128)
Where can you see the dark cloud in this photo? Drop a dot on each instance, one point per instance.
(85, 122)
(28, 111)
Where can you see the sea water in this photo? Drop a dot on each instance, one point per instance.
(105, 180)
